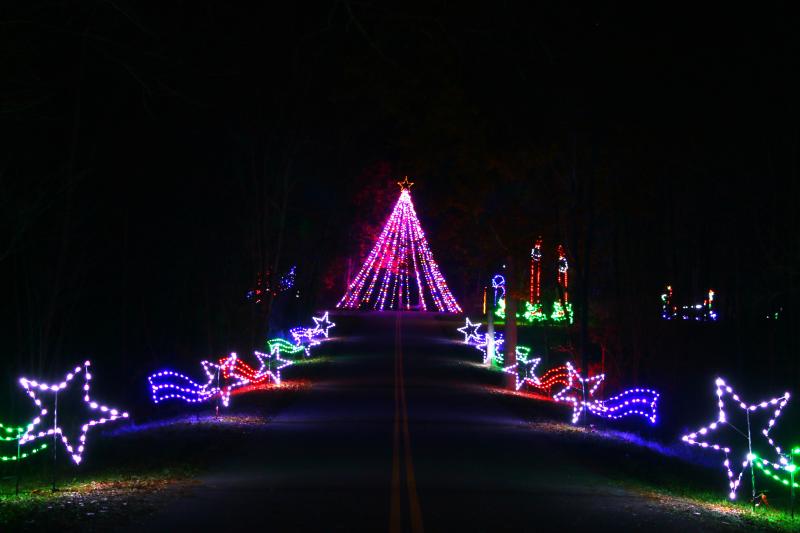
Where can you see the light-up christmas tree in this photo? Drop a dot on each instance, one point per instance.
(400, 272)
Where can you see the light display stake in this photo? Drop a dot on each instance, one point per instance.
(699, 437)
(400, 272)
(577, 394)
(77, 445)
(631, 402)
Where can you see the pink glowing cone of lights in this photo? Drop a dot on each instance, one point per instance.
(400, 272)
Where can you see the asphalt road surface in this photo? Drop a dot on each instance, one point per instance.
(401, 432)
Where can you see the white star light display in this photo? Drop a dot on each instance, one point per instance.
(470, 332)
(75, 446)
(524, 372)
(701, 436)
(323, 324)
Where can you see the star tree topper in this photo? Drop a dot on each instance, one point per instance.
(470, 332)
(323, 324)
(77, 444)
(405, 185)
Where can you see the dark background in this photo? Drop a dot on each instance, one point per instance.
(156, 156)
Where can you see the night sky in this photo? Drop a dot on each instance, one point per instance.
(155, 157)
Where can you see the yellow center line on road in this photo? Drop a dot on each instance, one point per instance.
(401, 425)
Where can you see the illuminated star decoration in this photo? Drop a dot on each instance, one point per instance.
(698, 438)
(578, 390)
(323, 324)
(226, 367)
(470, 332)
(76, 446)
(405, 185)
(523, 371)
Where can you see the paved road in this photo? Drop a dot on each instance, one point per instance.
(400, 433)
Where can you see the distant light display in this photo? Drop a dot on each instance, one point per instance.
(524, 372)
(264, 285)
(701, 312)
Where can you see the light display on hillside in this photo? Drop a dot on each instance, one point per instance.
(400, 272)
